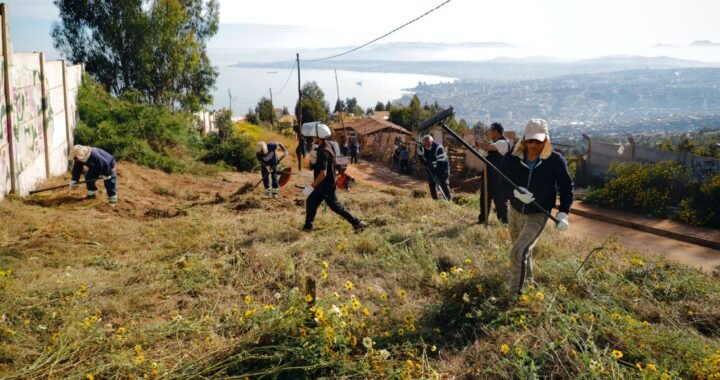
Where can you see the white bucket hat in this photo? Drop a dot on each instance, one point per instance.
(261, 147)
(81, 152)
(316, 129)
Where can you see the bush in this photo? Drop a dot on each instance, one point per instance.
(237, 151)
(130, 130)
(666, 189)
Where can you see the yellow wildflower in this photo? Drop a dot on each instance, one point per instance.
(468, 261)
(323, 274)
(348, 285)
(248, 299)
(325, 264)
(443, 275)
(402, 293)
(540, 295)
(466, 298)
(366, 312)
(89, 376)
(617, 354)
(504, 348)
(383, 297)
(308, 298)
(651, 367)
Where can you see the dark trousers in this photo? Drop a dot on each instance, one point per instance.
(444, 183)
(266, 174)
(110, 184)
(499, 194)
(404, 169)
(353, 157)
(314, 201)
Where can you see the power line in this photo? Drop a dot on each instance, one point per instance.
(381, 37)
(287, 80)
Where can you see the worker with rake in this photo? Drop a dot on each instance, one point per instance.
(270, 165)
(100, 164)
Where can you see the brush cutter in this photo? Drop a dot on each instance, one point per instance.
(285, 175)
(440, 117)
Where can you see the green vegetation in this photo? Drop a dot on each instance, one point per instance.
(155, 48)
(213, 293)
(130, 130)
(412, 116)
(665, 189)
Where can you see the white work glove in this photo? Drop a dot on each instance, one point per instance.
(107, 177)
(483, 152)
(523, 195)
(562, 221)
(73, 184)
(307, 190)
(285, 153)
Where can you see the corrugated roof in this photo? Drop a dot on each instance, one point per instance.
(370, 125)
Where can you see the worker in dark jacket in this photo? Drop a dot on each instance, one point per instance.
(266, 153)
(323, 187)
(435, 159)
(541, 174)
(498, 189)
(100, 164)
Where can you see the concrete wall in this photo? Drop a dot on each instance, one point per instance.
(600, 155)
(36, 128)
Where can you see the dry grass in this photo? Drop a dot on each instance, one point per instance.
(215, 288)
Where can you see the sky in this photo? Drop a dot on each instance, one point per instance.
(562, 28)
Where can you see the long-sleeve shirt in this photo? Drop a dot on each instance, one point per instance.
(99, 163)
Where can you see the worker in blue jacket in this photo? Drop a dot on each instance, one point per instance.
(435, 159)
(100, 164)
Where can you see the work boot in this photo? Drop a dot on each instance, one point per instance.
(360, 227)
(274, 192)
(90, 194)
(307, 228)
(268, 192)
(112, 201)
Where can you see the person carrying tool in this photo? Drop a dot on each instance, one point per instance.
(435, 160)
(270, 164)
(498, 190)
(100, 164)
(324, 184)
(543, 173)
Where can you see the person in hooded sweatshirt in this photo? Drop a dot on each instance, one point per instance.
(99, 164)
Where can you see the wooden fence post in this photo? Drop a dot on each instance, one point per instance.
(44, 107)
(67, 109)
(8, 100)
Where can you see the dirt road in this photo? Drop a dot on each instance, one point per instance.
(693, 255)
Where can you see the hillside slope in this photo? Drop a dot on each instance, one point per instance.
(186, 280)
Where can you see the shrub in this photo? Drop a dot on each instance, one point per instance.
(130, 130)
(237, 151)
(665, 189)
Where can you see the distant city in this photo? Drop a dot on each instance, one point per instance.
(633, 101)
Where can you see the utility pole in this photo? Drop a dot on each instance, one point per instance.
(342, 123)
(301, 141)
(230, 102)
(272, 114)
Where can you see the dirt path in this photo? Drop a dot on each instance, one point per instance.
(690, 254)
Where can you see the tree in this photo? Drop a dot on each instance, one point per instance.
(414, 113)
(223, 122)
(285, 111)
(339, 106)
(379, 106)
(157, 47)
(251, 117)
(314, 107)
(265, 110)
(388, 106)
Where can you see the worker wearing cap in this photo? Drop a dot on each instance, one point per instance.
(266, 153)
(435, 159)
(541, 174)
(100, 164)
(498, 190)
(323, 187)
